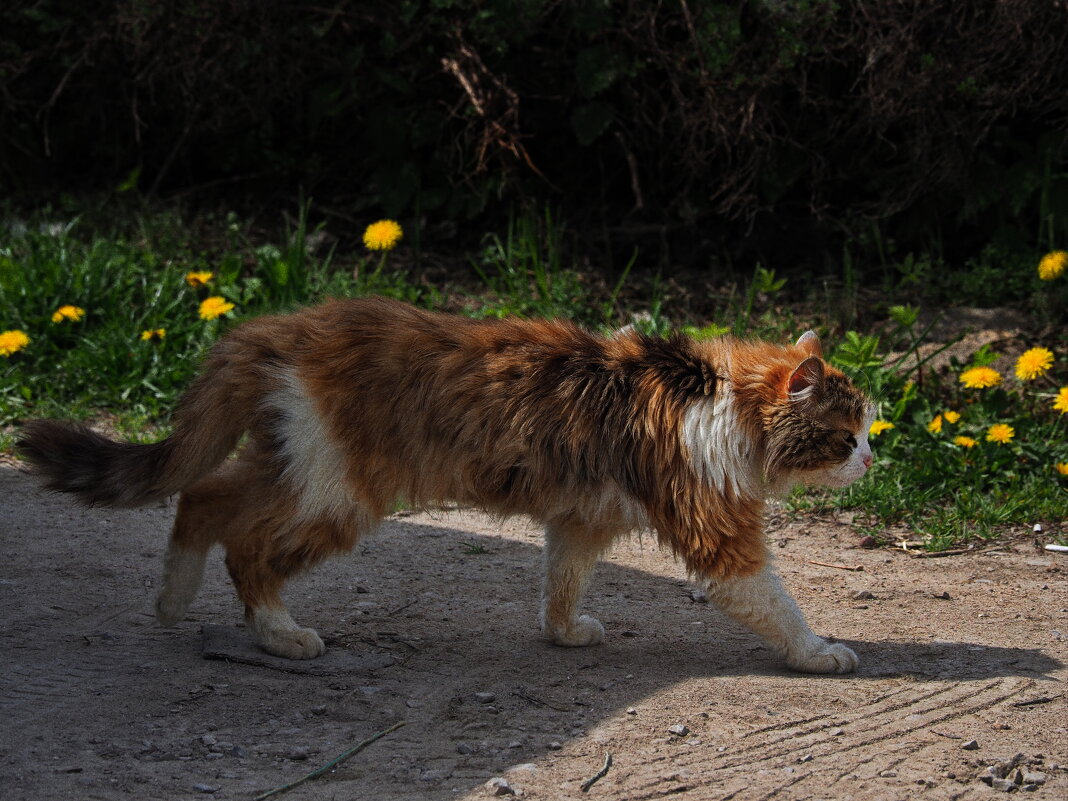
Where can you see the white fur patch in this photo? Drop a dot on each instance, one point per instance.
(720, 452)
(315, 465)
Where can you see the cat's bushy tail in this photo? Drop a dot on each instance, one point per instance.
(208, 423)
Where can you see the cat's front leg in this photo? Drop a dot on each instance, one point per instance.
(571, 551)
(762, 604)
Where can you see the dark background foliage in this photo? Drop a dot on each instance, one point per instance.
(766, 130)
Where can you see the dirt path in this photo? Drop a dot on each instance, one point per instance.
(433, 622)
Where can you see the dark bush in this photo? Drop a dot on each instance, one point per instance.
(944, 122)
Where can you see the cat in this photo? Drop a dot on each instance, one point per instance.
(342, 409)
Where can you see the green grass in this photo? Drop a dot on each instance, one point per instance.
(127, 283)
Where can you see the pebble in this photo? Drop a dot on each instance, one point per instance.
(679, 730)
(298, 754)
(555, 746)
(698, 597)
(868, 541)
(464, 748)
(943, 596)
(631, 710)
(485, 698)
(863, 595)
(206, 788)
(836, 732)
(499, 785)
(971, 745)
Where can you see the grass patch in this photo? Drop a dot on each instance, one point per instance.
(115, 326)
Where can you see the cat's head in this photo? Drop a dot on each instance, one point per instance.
(816, 427)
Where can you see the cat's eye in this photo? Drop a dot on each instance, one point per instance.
(851, 441)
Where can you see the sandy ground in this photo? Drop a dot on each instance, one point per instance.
(432, 622)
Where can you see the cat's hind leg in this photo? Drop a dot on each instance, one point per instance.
(196, 525)
(571, 551)
(262, 560)
(761, 603)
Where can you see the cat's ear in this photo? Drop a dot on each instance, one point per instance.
(806, 378)
(810, 344)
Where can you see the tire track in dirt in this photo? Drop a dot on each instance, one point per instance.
(875, 738)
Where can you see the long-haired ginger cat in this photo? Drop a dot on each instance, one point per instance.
(354, 404)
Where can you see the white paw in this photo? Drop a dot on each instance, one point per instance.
(584, 631)
(828, 658)
(276, 633)
(170, 610)
(293, 644)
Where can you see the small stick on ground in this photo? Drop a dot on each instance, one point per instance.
(586, 785)
(315, 774)
(837, 567)
(937, 554)
(1043, 700)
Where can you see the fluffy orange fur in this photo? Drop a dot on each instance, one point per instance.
(351, 406)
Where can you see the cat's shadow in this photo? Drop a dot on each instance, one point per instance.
(651, 623)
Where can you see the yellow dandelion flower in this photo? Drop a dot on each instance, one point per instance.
(12, 341)
(1060, 403)
(1062, 468)
(1052, 265)
(965, 442)
(935, 425)
(382, 235)
(72, 313)
(1033, 363)
(213, 307)
(1000, 433)
(951, 417)
(198, 279)
(878, 427)
(153, 335)
(980, 377)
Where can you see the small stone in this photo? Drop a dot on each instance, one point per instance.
(298, 753)
(971, 745)
(868, 541)
(631, 710)
(213, 755)
(499, 785)
(942, 596)
(206, 788)
(485, 698)
(555, 746)
(698, 597)
(679, 730)
(836, 732)
(1034, 777)
(208, 739)
(888, 774)
(628, 633)
(515, 744)
(1004, 785)
(464, 748)
(863, 595)
(805, 758)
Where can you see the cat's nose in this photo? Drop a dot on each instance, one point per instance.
(867, 460)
